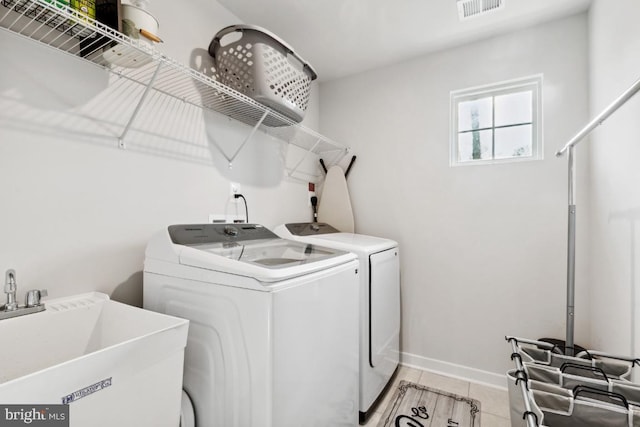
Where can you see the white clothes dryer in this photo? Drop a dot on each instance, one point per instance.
(379, 302)
(273, 324)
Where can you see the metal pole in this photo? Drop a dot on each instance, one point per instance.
(571, 254)
(571, 240)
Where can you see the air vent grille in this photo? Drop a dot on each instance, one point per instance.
(472, 8)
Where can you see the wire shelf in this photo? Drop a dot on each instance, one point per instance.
(140, 65)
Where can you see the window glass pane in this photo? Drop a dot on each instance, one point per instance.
(476, 114)
(513, 142)
(474, 146)
(514, 108)
(496, 122)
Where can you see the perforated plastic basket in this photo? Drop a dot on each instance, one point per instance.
(263, 67)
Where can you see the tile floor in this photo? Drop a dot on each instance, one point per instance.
(494, 402)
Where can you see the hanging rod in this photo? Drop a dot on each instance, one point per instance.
(600, 118)
(572, 212)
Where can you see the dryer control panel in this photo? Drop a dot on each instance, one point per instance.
(310, 228)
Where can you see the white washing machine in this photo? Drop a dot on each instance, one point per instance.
(273, 324)
(379, 302)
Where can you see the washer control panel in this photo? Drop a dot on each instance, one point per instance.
(196, 234)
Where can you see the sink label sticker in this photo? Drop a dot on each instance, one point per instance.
(34, 415)
(84, 392)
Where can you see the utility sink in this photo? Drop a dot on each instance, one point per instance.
(113, 364)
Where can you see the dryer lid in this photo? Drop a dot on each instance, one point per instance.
(325, 235)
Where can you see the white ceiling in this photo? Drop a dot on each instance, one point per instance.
(343, 37)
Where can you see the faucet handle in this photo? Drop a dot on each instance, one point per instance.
(10, 281)
(33, 297)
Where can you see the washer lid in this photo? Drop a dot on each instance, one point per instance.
(251, 250)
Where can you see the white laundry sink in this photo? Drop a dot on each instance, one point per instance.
(113, 364)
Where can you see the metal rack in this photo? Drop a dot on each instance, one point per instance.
(569, 148)
(149, 73)
(551, 388)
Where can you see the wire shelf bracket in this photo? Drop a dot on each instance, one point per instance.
(147, 89)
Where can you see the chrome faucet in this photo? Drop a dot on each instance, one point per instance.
(32, 299)
(10, 288)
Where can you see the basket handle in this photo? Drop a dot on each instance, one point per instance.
(215, 44)
(593, 369)
(631, 360)
(615, 398)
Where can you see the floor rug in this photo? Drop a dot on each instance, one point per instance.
(414, 405)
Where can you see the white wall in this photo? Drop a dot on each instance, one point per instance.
(614, 176)
(483, 247)
(76, 210)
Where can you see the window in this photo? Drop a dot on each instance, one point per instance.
(497, 123)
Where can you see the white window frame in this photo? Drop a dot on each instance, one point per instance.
(533, 83)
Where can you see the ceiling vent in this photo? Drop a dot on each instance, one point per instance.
(471, 8)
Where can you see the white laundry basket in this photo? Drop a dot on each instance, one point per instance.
(591, 389)
(261, 66)
(584, 406)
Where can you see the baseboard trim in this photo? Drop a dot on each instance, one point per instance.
(453, 370)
